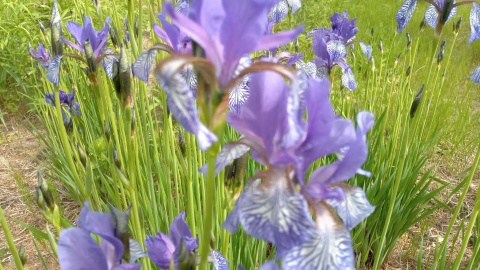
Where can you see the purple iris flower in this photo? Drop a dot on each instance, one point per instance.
(172, 36)
(162, 248)
(67, 100)
(343, 27)
(228, 30)
(84, 33)
(270, 207)
(42, 56)
(78, 250)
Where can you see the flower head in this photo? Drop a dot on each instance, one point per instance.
(78, 250)
(42, 56)
(66, 99)
(344, 28)
(162, 248)
(85, 33)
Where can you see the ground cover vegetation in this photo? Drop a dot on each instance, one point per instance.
(250, 135)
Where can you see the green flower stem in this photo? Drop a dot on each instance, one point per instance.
(209, 201)
(11, 244)
(474, 215)
(67, 148)
(190, 206)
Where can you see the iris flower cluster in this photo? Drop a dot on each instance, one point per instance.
(330, 47)
(67, 101)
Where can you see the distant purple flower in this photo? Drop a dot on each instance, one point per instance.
(270, 208)
(84, 33)
(164, 248)
(280, 11)
(78, 250)
(66, 100)
(42, 56)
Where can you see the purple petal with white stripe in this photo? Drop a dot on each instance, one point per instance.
(109, 63)
(239, 95)
(295, 108)
(181, 102)
(218, 260)
(348, 79)
(475, 77)
(309, 68)
(277, 216)
(227, 155)
(329, 248)
(233, 219)
(53, 71)
(431, 15)
(404, 14)
(354, 208)
(279, 11)
(474, 22)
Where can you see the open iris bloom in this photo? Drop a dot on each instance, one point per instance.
(78, 250)
(330, 47)
(438, 13)
(179, 247)
(42, 56)
(67, 101)
(87, 33)
(275, 203)
(225, 32)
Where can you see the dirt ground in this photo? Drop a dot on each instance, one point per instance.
(20, 151)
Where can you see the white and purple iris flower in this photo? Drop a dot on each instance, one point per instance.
(78, 250)
(67, 101)
(179, 248)
(330, 47)
(275, 203)
(42, 56)
(85, 33)
(438, 13)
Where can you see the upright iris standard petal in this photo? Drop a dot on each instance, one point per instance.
(404, 14)
(343, 27)
(329, 248)
(218, 260)
(474, 22)
(181, 102)
(41, 55)
(229, 152)
(179, 231)
(84, 33)
(354, 208)
(77, 250)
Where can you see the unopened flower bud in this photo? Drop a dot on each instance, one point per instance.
(92, 65)
(107, 130)
(22, 254)
(372, 31)
(416, 101)
(423, 24)
(441, 52)
(46, 194)
(42, 27)
(407, 73)
(116, 160)
(456, 26)
(380, 46)
(56, 33)
(409, 41)
(113, 32)
(122, 78)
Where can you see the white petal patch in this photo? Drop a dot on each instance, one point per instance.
(404, 14)
(348, 79)
(136, 251)
(330, 249)
(367, 50)
(53, 71)
(295, 4)
(279, 11)
(474, 23)
(431, 15)
(475, 77)
(354, 208)
(336, 49)
(190, 77)
(277, 216)
(308, 68)
(239, 95)
(295, 109)
(218, 260)
(227, 155)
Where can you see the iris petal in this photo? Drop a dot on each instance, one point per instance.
(348, 79)
(475, 77)
(404, 14)
(218, 260)
(279, 11)
(367, 50)
(354, 208)
(474, 23)
(227, 155)
(53, 70)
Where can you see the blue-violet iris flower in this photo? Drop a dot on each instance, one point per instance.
(42, 56)
(78, 250)
(84, 33)
(270, 207)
